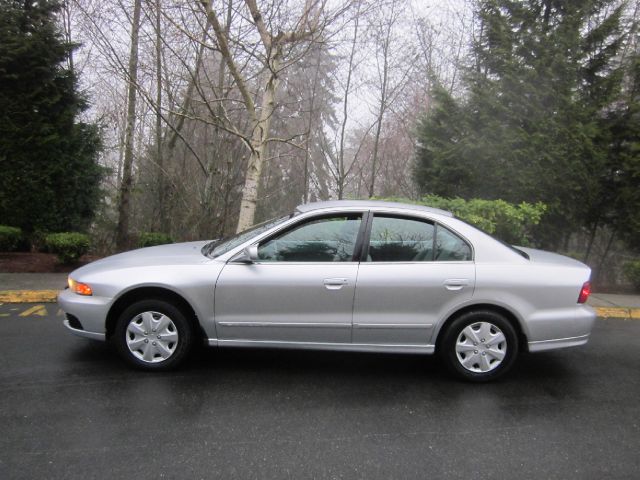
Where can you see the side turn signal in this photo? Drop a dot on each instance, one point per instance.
(79, 288)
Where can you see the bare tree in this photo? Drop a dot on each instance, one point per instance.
(162, 213)
(342, 172)
(254, 106)
(394, 63)
(276, 44)
(122, 229)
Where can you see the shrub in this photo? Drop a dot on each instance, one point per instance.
(68, 246)
(509, 222)
(631, 270)
(9, 238)
(150, 239)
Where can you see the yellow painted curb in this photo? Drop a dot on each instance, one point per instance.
(618, 312)
(28, 296)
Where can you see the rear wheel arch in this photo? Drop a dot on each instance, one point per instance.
(508, 314)
(152, 293)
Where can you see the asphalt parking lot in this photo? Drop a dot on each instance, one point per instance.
(69, 408)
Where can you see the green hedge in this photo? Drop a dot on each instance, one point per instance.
(631, 270)
(10, 238)
(509, 222)
(68, 246)
(150, 239)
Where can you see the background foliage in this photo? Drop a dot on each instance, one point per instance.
(537, 123)
(150, 239)
(48, 158)
(509, 222)
(9, 238)
(68, 246)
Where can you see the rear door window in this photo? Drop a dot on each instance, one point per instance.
(450, 247)
(395, 239)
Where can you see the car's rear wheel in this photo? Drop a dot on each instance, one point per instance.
(153, 335)
(479, 346)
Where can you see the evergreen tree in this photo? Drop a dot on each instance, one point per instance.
(48, 159)
(620, 189)
(531, 126)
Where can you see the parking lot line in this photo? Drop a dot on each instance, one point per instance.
(37, 310)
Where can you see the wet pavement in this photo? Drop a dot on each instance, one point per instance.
(69, 408)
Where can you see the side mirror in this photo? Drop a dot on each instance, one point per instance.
(248, 255)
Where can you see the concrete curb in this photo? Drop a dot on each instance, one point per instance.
(51, 296)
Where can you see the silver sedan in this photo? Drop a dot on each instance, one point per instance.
(342, 275)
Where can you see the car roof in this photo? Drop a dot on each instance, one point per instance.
(374, 204)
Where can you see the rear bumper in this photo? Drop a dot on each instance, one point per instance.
(564, 328)
(90, 314)
(542, 345)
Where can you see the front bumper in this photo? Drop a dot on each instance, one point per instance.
(90, 314)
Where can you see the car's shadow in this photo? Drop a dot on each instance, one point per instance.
(250, 380)
(307, 366)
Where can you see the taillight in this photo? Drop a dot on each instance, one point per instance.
(585, 292)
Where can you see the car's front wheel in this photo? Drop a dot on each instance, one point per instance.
(479, 346)
(153, 335)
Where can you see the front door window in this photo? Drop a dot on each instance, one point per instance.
(329, 239)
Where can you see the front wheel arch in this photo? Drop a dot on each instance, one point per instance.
(152, 293)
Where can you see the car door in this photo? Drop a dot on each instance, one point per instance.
(301, 289)
(413, 271)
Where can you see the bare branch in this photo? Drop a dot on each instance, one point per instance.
(221, 37)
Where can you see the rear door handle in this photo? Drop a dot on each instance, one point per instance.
(334, 283)
(454, 284)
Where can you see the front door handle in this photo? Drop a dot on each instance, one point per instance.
(334, 283)
(454, 284)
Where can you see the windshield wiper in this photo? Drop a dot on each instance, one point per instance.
(209, 247)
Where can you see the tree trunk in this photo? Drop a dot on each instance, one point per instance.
(597, 276)
(305, 194)
(188, 97)
(258, 145)
(211, 163)
(592, 237)
(66, 25)
(383, 105)
(345, 104)
(124, 197)
(162, 214)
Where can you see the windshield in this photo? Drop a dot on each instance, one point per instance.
(215, 248)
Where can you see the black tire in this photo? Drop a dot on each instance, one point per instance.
(180, 327)
(477, 370)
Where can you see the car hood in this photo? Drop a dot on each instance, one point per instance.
(188, 253)
(542, 256)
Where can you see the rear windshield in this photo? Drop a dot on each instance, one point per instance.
(510, 247)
